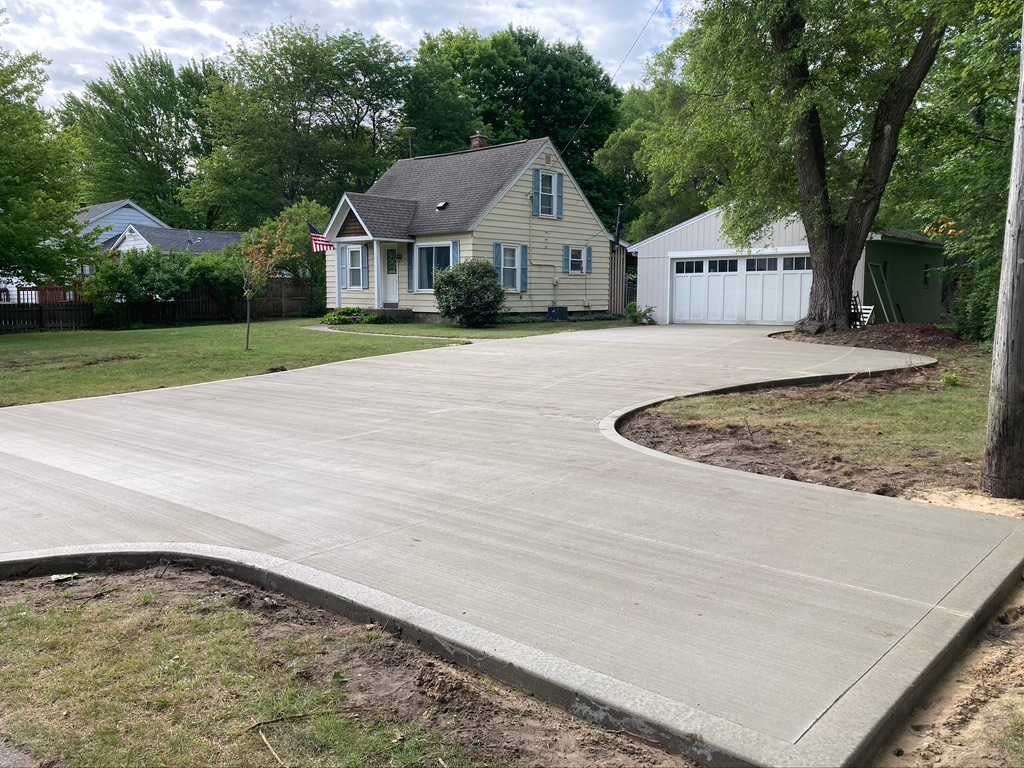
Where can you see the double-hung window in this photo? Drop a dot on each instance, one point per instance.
(577, 261)
(355, 267)
(547, 194)
(429, 260)
(510, 267)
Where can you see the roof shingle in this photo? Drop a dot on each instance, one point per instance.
(187, 240)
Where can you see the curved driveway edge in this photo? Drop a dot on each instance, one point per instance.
(466, 493)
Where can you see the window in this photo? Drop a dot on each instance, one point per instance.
(577, 261)
(5, 295)
(689, 267)
(88, 270)
(355, 267)
(392, 261)
(431, 259)
(796, 262)
(723, 265)
(762, 265)
(547, 194)
(510, 267)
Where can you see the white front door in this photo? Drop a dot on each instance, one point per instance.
(391, 276)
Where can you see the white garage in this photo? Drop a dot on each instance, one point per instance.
(691, 274)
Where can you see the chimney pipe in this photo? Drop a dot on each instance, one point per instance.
(478, 141)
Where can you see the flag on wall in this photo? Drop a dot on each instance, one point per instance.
(320, 243)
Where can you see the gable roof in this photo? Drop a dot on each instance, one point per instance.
(384, 217)
(92, 213)
(182, 240)
(469, 181)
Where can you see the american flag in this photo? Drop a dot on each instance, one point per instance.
(320, 243)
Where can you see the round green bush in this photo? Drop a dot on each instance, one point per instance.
(469, 294)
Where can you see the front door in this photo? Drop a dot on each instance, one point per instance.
(391, 276)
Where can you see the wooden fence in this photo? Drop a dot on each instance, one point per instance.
(283, 297)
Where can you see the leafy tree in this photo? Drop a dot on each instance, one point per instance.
(39, 236)
(292, 224)
(521, 87)
(219, 274)
(260, 259)
(138, 276)
(798, 105)
(951, 179)
(143, 129)
(298, 114)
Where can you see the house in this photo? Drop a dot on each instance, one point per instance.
(138, 237)
(112, 218)
(690, 273)
(515, 205)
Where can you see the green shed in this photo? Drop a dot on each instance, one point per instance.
(902, 277)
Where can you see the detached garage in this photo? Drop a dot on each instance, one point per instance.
(691, 274)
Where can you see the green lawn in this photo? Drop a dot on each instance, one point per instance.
(37, 367)
(506, 331)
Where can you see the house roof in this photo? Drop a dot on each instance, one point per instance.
(385, 217)
(186, 240)
(905, 235)
(92, 213)
(468, 181)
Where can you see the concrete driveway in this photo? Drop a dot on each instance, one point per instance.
(744, 617)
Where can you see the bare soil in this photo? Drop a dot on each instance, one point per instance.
(972, 717)
(385, 679)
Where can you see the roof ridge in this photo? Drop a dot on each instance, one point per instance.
(467, 151)
(384, 197)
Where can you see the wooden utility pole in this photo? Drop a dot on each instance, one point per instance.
(1004, 450)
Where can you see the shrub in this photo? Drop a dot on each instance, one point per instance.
(346, 316)
(469, 294)
(137, 276)
(219, 274)
(640, 315)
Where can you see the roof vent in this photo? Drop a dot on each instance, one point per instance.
(442, 205)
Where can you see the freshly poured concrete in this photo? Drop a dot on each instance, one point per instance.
(765, 620)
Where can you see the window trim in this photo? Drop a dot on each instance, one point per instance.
(416, 263)
(554, 195)
(348, 268)
(518, 268)
(583, 260)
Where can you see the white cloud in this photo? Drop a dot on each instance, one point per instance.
(81, 36)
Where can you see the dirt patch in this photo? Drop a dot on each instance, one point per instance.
(972, 717)
(906, 337)
(385, 679)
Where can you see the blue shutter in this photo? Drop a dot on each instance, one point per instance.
(590, 260)
(365, 271)
(455, 252)
(343, 266)
(559, 197)
(410, 264)
(565, 258)
(524, 257)
(536, 191)
(497, 260)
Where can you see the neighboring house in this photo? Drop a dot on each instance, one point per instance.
(137, 237)
(690, 273)
(513, 205)
(111, 219)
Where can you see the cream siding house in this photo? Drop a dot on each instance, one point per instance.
(513, 205)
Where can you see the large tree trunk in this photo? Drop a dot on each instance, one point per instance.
(1004, 451)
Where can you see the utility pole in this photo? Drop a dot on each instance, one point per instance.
(1004, 449)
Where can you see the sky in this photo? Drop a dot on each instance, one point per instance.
(80, 37)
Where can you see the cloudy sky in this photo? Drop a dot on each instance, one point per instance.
(81, 36)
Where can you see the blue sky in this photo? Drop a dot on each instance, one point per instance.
(81, 36)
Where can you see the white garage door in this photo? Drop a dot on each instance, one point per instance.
(763, 289)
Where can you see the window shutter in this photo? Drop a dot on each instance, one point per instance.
(565, 258)
(536, 191)
(524, 258)
(365, 271)
(497, 260)
(559, 197)
(410, 266)
(590, 260)
(455, 252)
(343, 267)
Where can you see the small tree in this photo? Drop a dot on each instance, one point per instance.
(469, 293)
(259, 260)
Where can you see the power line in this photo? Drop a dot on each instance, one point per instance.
(629, 50)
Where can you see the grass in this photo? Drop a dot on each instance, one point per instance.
(164, 681)
(1012, 740)
(938, 422)
(502, 331)
(37, 367)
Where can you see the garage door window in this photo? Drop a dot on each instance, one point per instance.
(689, 267)
(762, 265)
(796, 262)
(723, 265)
